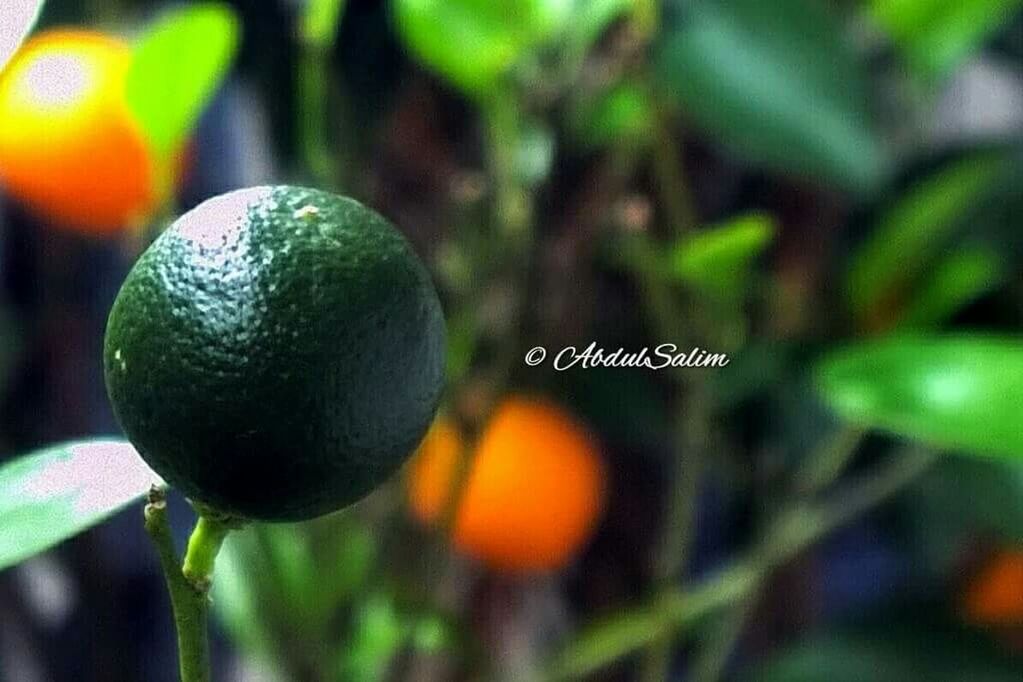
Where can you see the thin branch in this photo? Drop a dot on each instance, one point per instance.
(190, 605)
(792, 533)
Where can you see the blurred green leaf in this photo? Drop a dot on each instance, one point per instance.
(52, 494)
(463, 338)
(431, 634)
(776, 82)
(961, 278)
(474, 44)
(918, 651)
(937, 35)
(320, 21)
(718, 259)
(288, 560)
(379, 634)
(236, 597)
(177, 67)
(622, 115)
(19, 16)
(295, 575)
(960, 392)
(606, 641)
(907, 235)
(344, 550)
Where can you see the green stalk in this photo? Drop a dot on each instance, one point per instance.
(189, 586)
(816, 473)
(317, 35)
(203, 547)
(791, 533)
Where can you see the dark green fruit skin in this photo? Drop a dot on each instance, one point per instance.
(277, 353)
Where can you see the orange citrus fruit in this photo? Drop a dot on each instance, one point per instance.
(995, 595)
(535, 490)
(70, 149)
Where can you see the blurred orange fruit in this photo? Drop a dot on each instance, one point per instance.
(995, 595)
(70, 149)
(535, 490)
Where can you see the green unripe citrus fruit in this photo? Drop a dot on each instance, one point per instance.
(277, 353)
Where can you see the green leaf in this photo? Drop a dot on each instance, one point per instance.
(622, 115)
(957, 391)
(53, 494)
(937, 35)
(177, 67)
(961, 278)
(719, 258)
(474, 44)
(19, 16)
(605, 642)
(380, 631)
(297, 575)
(237, 601)
(320, 21)
(908, 235)
(776, 82)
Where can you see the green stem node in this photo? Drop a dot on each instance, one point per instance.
(203, 547)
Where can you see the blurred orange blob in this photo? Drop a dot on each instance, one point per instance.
(995, 595)
(535, 490)
(70, 149)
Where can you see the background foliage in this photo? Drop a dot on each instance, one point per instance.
(823, 190)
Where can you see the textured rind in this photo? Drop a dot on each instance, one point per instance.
(277, 353)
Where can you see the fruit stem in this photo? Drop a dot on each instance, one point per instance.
(189, 602)
(203, 547)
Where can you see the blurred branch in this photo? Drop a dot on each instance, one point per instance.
(317, 34)
(670, 177)
(722, 639)
(790, 534)
(512, 229)
(693, 412)
(826, 463)
(818, 471)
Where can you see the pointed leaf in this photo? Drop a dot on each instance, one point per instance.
(16, 20)
(53, 494)
(178, 66)
(958, 280)
(320, 21)
(775, 82)
(719, 258)
(474, 44)
(959, 392)
(912, 230)
(624, 115)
